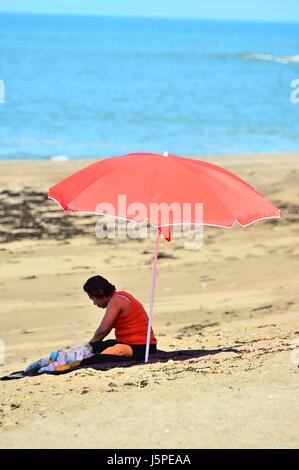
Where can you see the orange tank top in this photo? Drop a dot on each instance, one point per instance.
(131, 326)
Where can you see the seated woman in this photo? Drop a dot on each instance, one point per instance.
(124, 313)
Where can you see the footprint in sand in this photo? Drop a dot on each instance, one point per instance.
(262, 307)
(10, 425)
(143, 383)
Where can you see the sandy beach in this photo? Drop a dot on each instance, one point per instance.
(239, 292)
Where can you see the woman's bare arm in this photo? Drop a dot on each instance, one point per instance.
(115, 306)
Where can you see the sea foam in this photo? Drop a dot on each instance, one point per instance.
(285, 59)
(59, 158)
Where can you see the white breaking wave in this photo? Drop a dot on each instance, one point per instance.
(60, 158)
(286, 59)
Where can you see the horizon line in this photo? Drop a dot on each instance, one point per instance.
(151, 17)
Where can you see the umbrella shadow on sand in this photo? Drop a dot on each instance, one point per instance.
(108, 361)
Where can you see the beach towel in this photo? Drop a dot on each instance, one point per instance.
(104, 362)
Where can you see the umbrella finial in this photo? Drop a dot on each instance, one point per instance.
(165, 154)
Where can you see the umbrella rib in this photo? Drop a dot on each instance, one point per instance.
(81, 173)
(211, 189)
(232, 175)
(195, 163)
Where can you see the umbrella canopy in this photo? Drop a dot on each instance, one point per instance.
(153, 178)
(148, 179)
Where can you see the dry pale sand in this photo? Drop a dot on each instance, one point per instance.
(240, 291)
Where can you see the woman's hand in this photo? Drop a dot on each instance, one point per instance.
(93, 340)
(98, 336)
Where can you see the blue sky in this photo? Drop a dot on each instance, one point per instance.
(256, 10)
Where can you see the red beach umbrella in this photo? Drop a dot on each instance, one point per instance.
(135, 186)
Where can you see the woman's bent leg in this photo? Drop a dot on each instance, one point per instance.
(139, 350)
(119, 350)
(99, 346)
(112, 347)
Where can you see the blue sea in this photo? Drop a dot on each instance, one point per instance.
(101, 86)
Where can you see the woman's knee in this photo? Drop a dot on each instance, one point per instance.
(119, 350)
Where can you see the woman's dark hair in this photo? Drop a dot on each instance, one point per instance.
(98, 286)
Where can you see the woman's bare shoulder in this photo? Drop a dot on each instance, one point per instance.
(121, 300)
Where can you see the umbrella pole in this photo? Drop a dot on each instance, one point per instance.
(152, 295)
